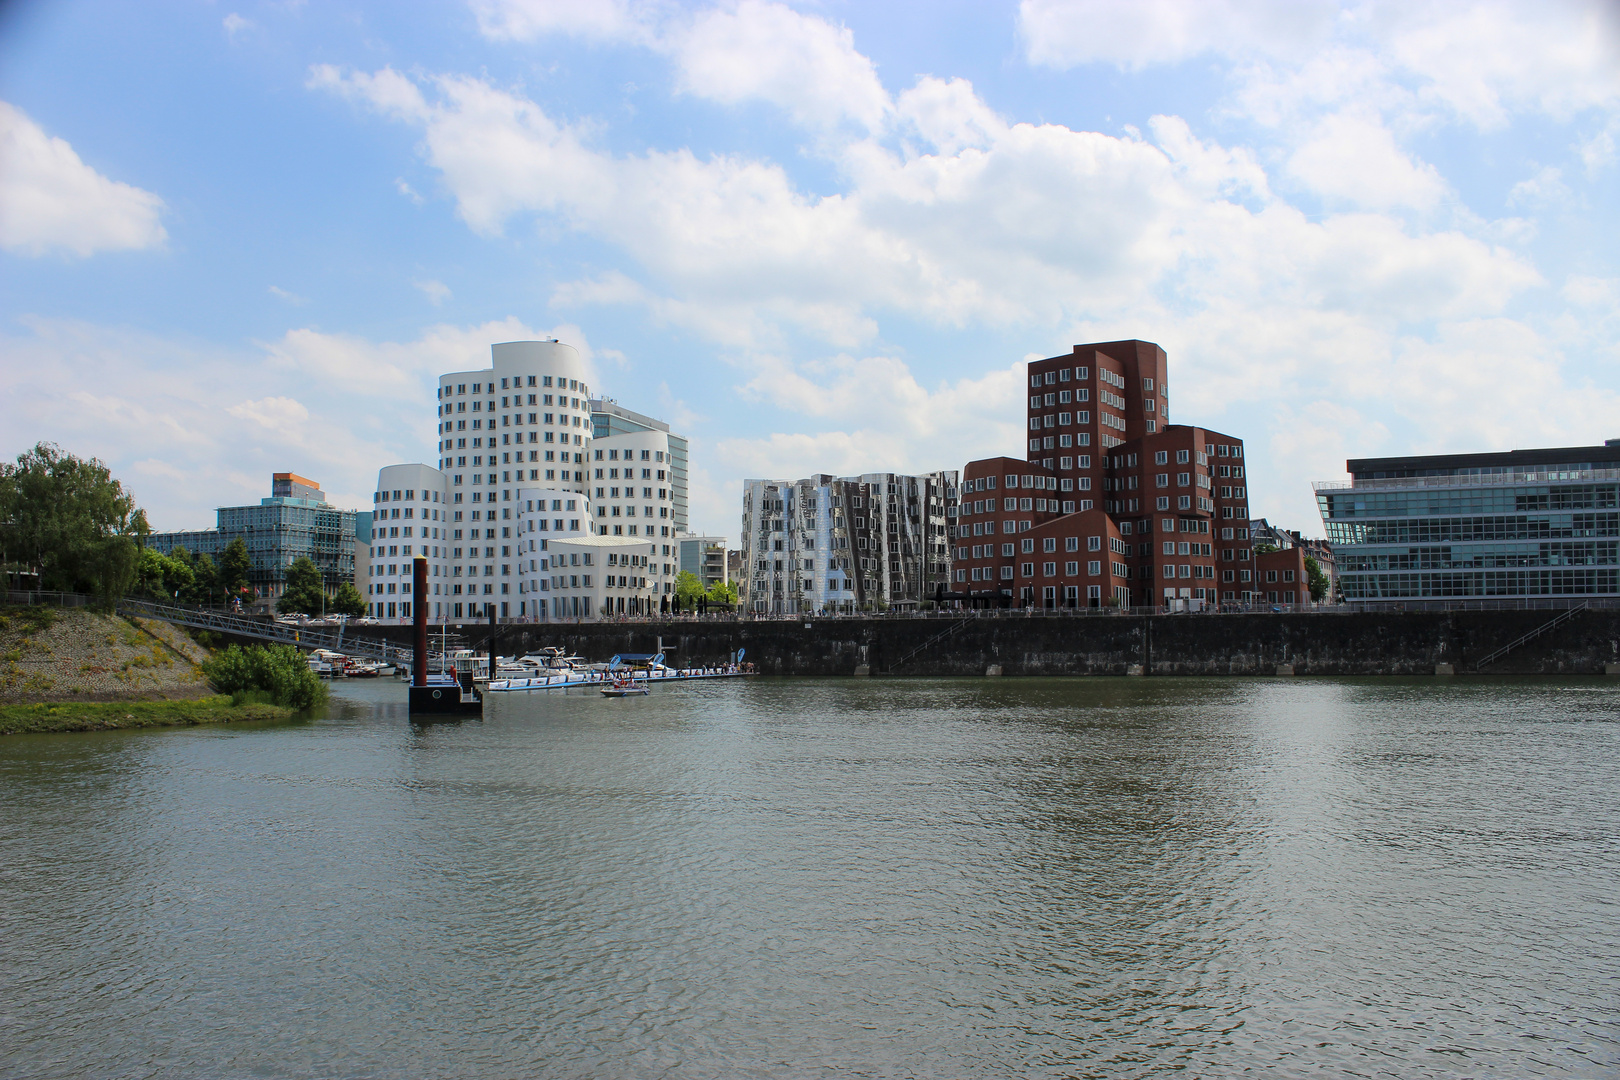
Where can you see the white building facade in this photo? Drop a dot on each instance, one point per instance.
(521, 469)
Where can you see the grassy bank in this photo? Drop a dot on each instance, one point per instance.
(106, 716)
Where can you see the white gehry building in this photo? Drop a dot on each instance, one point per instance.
(519, 465)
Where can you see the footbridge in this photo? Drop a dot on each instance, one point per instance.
(335, 639)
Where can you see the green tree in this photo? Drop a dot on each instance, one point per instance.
(688, 588)
(304, 593)
(67, 520)
(1317, 579)
(205, 588)
(348, 601)
(722, 592)
(162, 576)
(234, 564)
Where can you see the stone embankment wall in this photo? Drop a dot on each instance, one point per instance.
(71, 654)
(1417, 643)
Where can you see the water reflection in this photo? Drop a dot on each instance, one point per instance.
(1098, 877)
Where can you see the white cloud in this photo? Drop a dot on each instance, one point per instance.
(51, 200)
(1063, 33)
(600, 20)
(196, 425)
(1353, 160)
(235, 24)
(435, 291)
(291, 297)
(1547, 185)
(1281, 322)
(282, 415)
(1477, 61)
(768, 52)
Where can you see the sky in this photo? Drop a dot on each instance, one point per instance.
(245, 237)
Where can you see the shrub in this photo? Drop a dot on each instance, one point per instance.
(277, 670)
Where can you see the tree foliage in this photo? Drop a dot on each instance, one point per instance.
(722, 592)
(279, 672)
(348, 601)
(234, 564)
(305, 593)
(688, 588)
(1317, 579)
(165, 577)
(66, 519)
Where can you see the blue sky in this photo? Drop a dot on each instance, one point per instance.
(242, 237)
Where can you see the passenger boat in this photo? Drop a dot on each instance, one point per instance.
(624, 686)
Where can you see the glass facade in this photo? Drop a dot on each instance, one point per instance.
(277, 531)
(1477, 528)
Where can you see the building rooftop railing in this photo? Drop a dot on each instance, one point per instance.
(1542, 476)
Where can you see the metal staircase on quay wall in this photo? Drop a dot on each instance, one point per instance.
(930, 643)
(1551, 624)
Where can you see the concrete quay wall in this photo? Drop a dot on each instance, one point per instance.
(1363, 643)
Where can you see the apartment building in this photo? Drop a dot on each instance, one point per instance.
(1112, 505)
(829, 544)
(1521, 523)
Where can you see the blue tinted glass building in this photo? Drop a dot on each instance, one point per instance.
(1519, 524)
(295, 521)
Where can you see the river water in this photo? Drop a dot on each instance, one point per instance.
(838, 877)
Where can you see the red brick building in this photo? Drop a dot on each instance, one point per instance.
(1113, 504)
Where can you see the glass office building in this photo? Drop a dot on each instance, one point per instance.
(1519, 524)
(295, 522)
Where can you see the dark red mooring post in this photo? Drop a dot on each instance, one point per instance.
(419, 588)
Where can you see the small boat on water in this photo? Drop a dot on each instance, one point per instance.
(624, 686)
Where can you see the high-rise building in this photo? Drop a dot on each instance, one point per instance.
(1113, 505)
(524, 461)
(295, 522)
(1517, 524)
(610, 419)
(845, 544)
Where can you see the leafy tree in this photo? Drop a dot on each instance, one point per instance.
(205, 587)
(348, 601)
(66, 519)
(1318, 580)
(162, 576)
(305, 592)
(722, 592)
(1265, 549)
(688, 588)
(234, 564)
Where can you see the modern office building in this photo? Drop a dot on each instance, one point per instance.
(1112, 505)
(704, 557)
(295, 522)
(845, 544)
(527, 460)
(1517, 524)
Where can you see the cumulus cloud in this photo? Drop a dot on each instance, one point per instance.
(195, 425)
(1063, 33)
(50, 200)
(1280, 319)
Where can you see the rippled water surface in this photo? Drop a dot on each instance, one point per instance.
(1086, 877)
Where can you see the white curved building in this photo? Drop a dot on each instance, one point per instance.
(522, 464)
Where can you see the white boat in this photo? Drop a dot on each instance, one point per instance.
(624, 687)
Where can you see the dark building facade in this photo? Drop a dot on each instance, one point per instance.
(1112, 505)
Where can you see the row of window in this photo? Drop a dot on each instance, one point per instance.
(516, 381)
